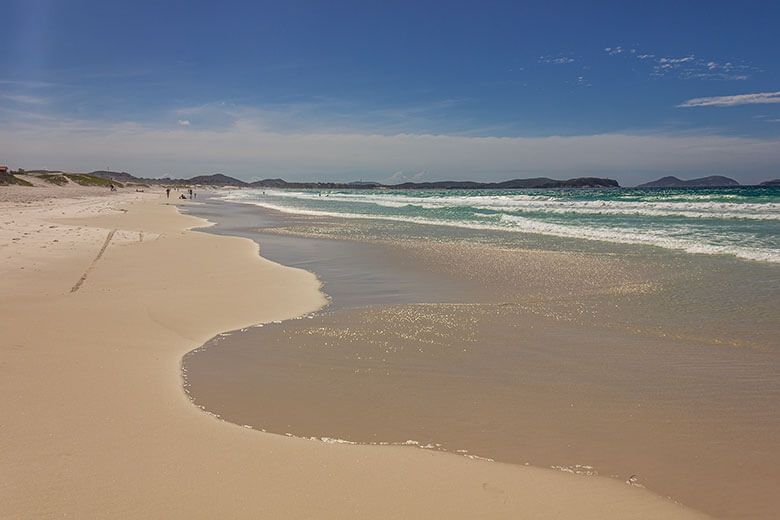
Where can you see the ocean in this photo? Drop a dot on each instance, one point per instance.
(628, 333)
(743, 222)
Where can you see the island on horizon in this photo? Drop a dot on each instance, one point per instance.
(222, 180)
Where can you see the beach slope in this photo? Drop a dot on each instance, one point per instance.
(96, 313)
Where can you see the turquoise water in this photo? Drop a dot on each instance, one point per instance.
(743, 222)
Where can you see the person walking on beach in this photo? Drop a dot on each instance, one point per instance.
(167, 193)
(190, 192)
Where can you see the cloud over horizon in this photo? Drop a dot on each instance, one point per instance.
(248, 150)
(731, 101)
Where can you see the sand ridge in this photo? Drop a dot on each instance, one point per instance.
(95, 422)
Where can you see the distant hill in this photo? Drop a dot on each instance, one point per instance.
(539, 183)
(269, 183)
(219, 179)
(114, 176)
(713, 181)
(775, 182)
(216, 179)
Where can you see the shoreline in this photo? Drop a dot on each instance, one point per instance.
(371, 377)
(98, 423)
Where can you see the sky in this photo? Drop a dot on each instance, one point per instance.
(392, 91)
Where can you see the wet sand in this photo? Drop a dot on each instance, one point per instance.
(583, 362)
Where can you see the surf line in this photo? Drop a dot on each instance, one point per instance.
(92, 265)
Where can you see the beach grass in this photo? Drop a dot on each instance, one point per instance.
(90, 180)
(54, 178)
(9, 178)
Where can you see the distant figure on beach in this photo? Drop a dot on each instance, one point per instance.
(168, 193)
(182, 196)
(113, 188)
(190, 192)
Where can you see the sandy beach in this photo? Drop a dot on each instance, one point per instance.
(101, 298)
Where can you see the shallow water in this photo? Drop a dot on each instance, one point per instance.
(619, 360)
(697, 423)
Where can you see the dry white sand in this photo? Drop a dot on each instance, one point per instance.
(94, 422)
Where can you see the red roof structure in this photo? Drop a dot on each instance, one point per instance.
(4, 169)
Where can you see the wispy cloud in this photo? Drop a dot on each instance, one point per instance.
(184, 122)
(24, 99)
(27, 83)
(674, 61)
(331, 114)
(687, 67)
(581, 81)
(557, 60)
(401, 176)
(730, 101)
(247, 149)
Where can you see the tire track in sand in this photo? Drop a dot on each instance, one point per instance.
(92, 265)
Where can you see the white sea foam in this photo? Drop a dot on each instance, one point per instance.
(702, 207)
(525, 213)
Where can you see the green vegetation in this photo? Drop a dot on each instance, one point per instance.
(8, 178)
(90, 180)
(59, 180)
(135, 185)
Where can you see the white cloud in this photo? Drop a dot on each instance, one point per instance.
(184, 122)
(401, 176)
(673, 61)
(558, 60)
(716, 75)
(730, 101)
(582, 82)
(28, 84)
(247, 149)
(26, 100)
(688, 67)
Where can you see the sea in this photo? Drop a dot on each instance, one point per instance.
(743, 222)
(632, 334)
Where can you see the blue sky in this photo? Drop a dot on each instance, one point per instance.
(393, 90)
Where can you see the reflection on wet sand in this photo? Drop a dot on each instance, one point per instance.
(660, 367)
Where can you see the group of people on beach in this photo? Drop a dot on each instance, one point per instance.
(182, 196)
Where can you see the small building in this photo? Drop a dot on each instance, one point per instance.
(3, 169)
